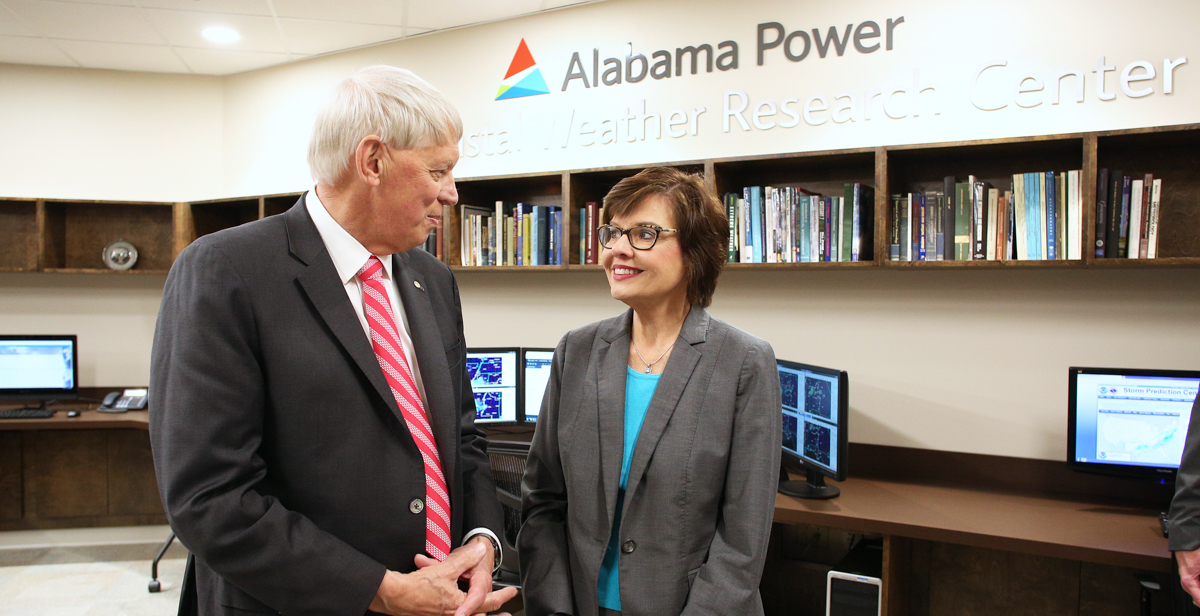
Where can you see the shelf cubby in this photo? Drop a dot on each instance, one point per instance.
(923, 168)
(278, 204)
(18, 235)
(75, 233)
(212, 216)
(536, 189)
(1172, 155)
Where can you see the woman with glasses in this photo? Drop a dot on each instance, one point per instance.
(650, 484)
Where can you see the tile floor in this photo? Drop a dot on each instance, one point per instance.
(87, 572)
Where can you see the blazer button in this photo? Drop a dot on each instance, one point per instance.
(629, 547)
(416, 506)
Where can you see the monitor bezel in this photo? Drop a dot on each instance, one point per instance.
(843, 417)
(1119, 470)
(520, 408)
(42, 393)
(525, 416)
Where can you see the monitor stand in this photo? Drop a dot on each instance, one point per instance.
(813, 488)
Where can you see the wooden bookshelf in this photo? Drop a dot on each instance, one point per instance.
(67, 236)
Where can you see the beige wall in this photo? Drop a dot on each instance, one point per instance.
(92, 134)
(971, 361)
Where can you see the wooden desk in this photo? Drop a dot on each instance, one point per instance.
(92, 470)
(1030, 524)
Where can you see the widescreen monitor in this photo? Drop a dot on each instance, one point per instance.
(816, 407)
(536, 363)
(39, 367)
(496, 381)
(1127, 421)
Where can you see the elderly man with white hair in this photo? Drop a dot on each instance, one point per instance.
(312, 418)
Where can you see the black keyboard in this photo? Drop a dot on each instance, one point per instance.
(26, 413)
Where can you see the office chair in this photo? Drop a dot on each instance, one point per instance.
(508, 467)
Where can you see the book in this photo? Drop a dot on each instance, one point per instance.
(1020, 224)
(756, 222)
(747, 250)
(894, 229)
(1133, 242)
(962, 223)
(1113, 220)
(592, 211)
(1051, 199)
(1155, 200)
(979, 219)
(931, 205)
(846, 236)
(1074, 215)
(1123, 238)
(731, 214)
(543, 235)
(1101, 209)
(993, 205)
(1144, 226)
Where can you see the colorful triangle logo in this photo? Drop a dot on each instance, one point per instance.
(523, 78)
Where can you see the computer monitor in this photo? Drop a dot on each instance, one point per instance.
(816, 409)
(1130, 422)
(496, 381)
(536, 363)
(39, 368)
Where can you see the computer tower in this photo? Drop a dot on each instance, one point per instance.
(854, 587)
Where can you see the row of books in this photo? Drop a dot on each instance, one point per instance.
(511, 234)
(1038, 217)
(793, 225)
(590, 217)
(1127, 212)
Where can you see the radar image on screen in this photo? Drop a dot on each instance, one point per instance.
(486, 370)
(816, 442)
(789, 432)
(789, 383)
(818, 399)
(488, 404)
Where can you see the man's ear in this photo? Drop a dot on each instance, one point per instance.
(369, 160)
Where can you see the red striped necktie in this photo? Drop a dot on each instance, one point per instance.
(386, 343)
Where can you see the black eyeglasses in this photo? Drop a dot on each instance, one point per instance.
(641, 237)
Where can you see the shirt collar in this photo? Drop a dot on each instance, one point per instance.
(347, 253)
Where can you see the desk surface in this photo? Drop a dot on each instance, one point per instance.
(89, 419)
(1032, 524)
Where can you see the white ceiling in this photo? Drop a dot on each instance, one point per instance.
(163, 36)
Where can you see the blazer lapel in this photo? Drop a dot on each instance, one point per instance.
(610, 390)
(431, 359)
(670, 387)
(320, 282)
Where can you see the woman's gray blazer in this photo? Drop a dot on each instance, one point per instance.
(701, 490)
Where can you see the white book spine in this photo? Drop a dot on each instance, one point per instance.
(1075, 218)
(1135, 219)
(1155, 197)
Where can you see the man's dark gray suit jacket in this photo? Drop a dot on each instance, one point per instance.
(283, 460)
(1185, 507)
(700, 499)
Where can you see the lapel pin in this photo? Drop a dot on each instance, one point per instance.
(417, 284)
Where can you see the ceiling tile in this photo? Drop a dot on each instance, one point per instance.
(11, 25)
(122, 57)
(438, 15)
(183, 29)
(108, 2)
(85, 22)
(555, 4)
(314, 37)
(236, 7)
(378, 12)
(227, 61)
(20, 50)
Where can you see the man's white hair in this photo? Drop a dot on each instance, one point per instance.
(393, 103)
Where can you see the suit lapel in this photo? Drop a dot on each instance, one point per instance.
(324, 289)
(612, 362)
(431, 359)
(670, 387)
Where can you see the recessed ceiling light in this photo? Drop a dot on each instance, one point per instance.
(221, 34)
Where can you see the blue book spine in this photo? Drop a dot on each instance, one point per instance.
(756, 216)
(855, 224)
(519, 242)
(533, 235)
(1033, 216)
(922, 225)
(544, 234)
(1051, 216)
(805, 228)
(582, 235)
(553, 237)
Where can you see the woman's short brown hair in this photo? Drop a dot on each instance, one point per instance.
(699, 217)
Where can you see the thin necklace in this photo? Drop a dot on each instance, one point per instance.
(649, 364)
